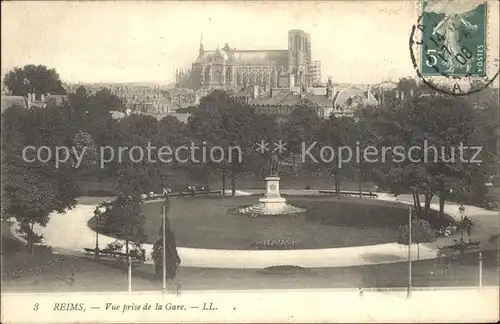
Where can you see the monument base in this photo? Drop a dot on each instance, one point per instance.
(272, 203)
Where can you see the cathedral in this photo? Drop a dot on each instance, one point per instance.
(232, 69)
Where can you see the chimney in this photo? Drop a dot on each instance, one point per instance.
(255, 91)
(291, 80)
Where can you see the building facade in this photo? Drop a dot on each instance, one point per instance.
(331, 100)
(231, 69)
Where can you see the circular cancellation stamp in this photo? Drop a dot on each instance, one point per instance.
(451, 48)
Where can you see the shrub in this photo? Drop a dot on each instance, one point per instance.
(115, 246)
(421, 232)
(283, 270)
(275, 244)
(447, 230)
(446, 260)
(135, 249)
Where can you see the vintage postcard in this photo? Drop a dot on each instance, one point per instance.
(250, 161)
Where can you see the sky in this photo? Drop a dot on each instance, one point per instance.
(356, 41)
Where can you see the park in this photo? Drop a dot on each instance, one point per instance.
(269, 221)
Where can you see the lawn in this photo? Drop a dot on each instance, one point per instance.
(85, 274)
(76, 273)
(204, 222)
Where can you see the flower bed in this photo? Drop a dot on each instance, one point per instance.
(447, 230)
(28, 270)
(255, 215)
(240, 210)
(283, 270)
(275, 244)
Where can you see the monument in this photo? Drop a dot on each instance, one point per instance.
(272, 203)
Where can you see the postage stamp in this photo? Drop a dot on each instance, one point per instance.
(451, 48)
(453, 38)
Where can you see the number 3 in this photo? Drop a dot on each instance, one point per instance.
(35, 308)
(429, 57)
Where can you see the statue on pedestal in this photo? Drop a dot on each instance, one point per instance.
(273, 165)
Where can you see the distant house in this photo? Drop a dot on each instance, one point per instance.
(43, 100)
(182, 117)
(55, 99)
(348, 99)
(117, 114)
(9, 101)
(241, 96)
(329, 100)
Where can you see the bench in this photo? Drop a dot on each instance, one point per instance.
(464, 245)
(110, 253)
(89, 251)
(348, 193)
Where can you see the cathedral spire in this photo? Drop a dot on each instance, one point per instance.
(201, 44)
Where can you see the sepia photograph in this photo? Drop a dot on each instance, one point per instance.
(250, 161)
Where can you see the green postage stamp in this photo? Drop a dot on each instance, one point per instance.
(454, 38)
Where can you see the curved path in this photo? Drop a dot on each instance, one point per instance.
(69, 233)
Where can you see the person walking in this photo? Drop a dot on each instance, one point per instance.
(179, 287)
(468, 225)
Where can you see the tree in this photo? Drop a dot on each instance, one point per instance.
(140, 174)
(301, 127)
(78, 105)
(172, 258)
(421, 232)
(33, 78)
(34, 193)
(438, 121)
(226, 123)
(126, 218)
(337, 132)
(32, 190)
(83, 141)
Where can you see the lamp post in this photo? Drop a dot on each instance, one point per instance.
(164, 210)
(480, 271)
(97, 212)
(408, 292)
(461, 209)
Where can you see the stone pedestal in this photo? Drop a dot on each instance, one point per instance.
(272, 203)
(272, 190)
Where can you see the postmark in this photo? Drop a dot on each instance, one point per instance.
(449, 46)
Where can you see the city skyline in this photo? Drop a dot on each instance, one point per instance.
(147, 42)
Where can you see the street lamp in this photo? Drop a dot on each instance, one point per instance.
(97, 212)
(408, 291)
(461, 209)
